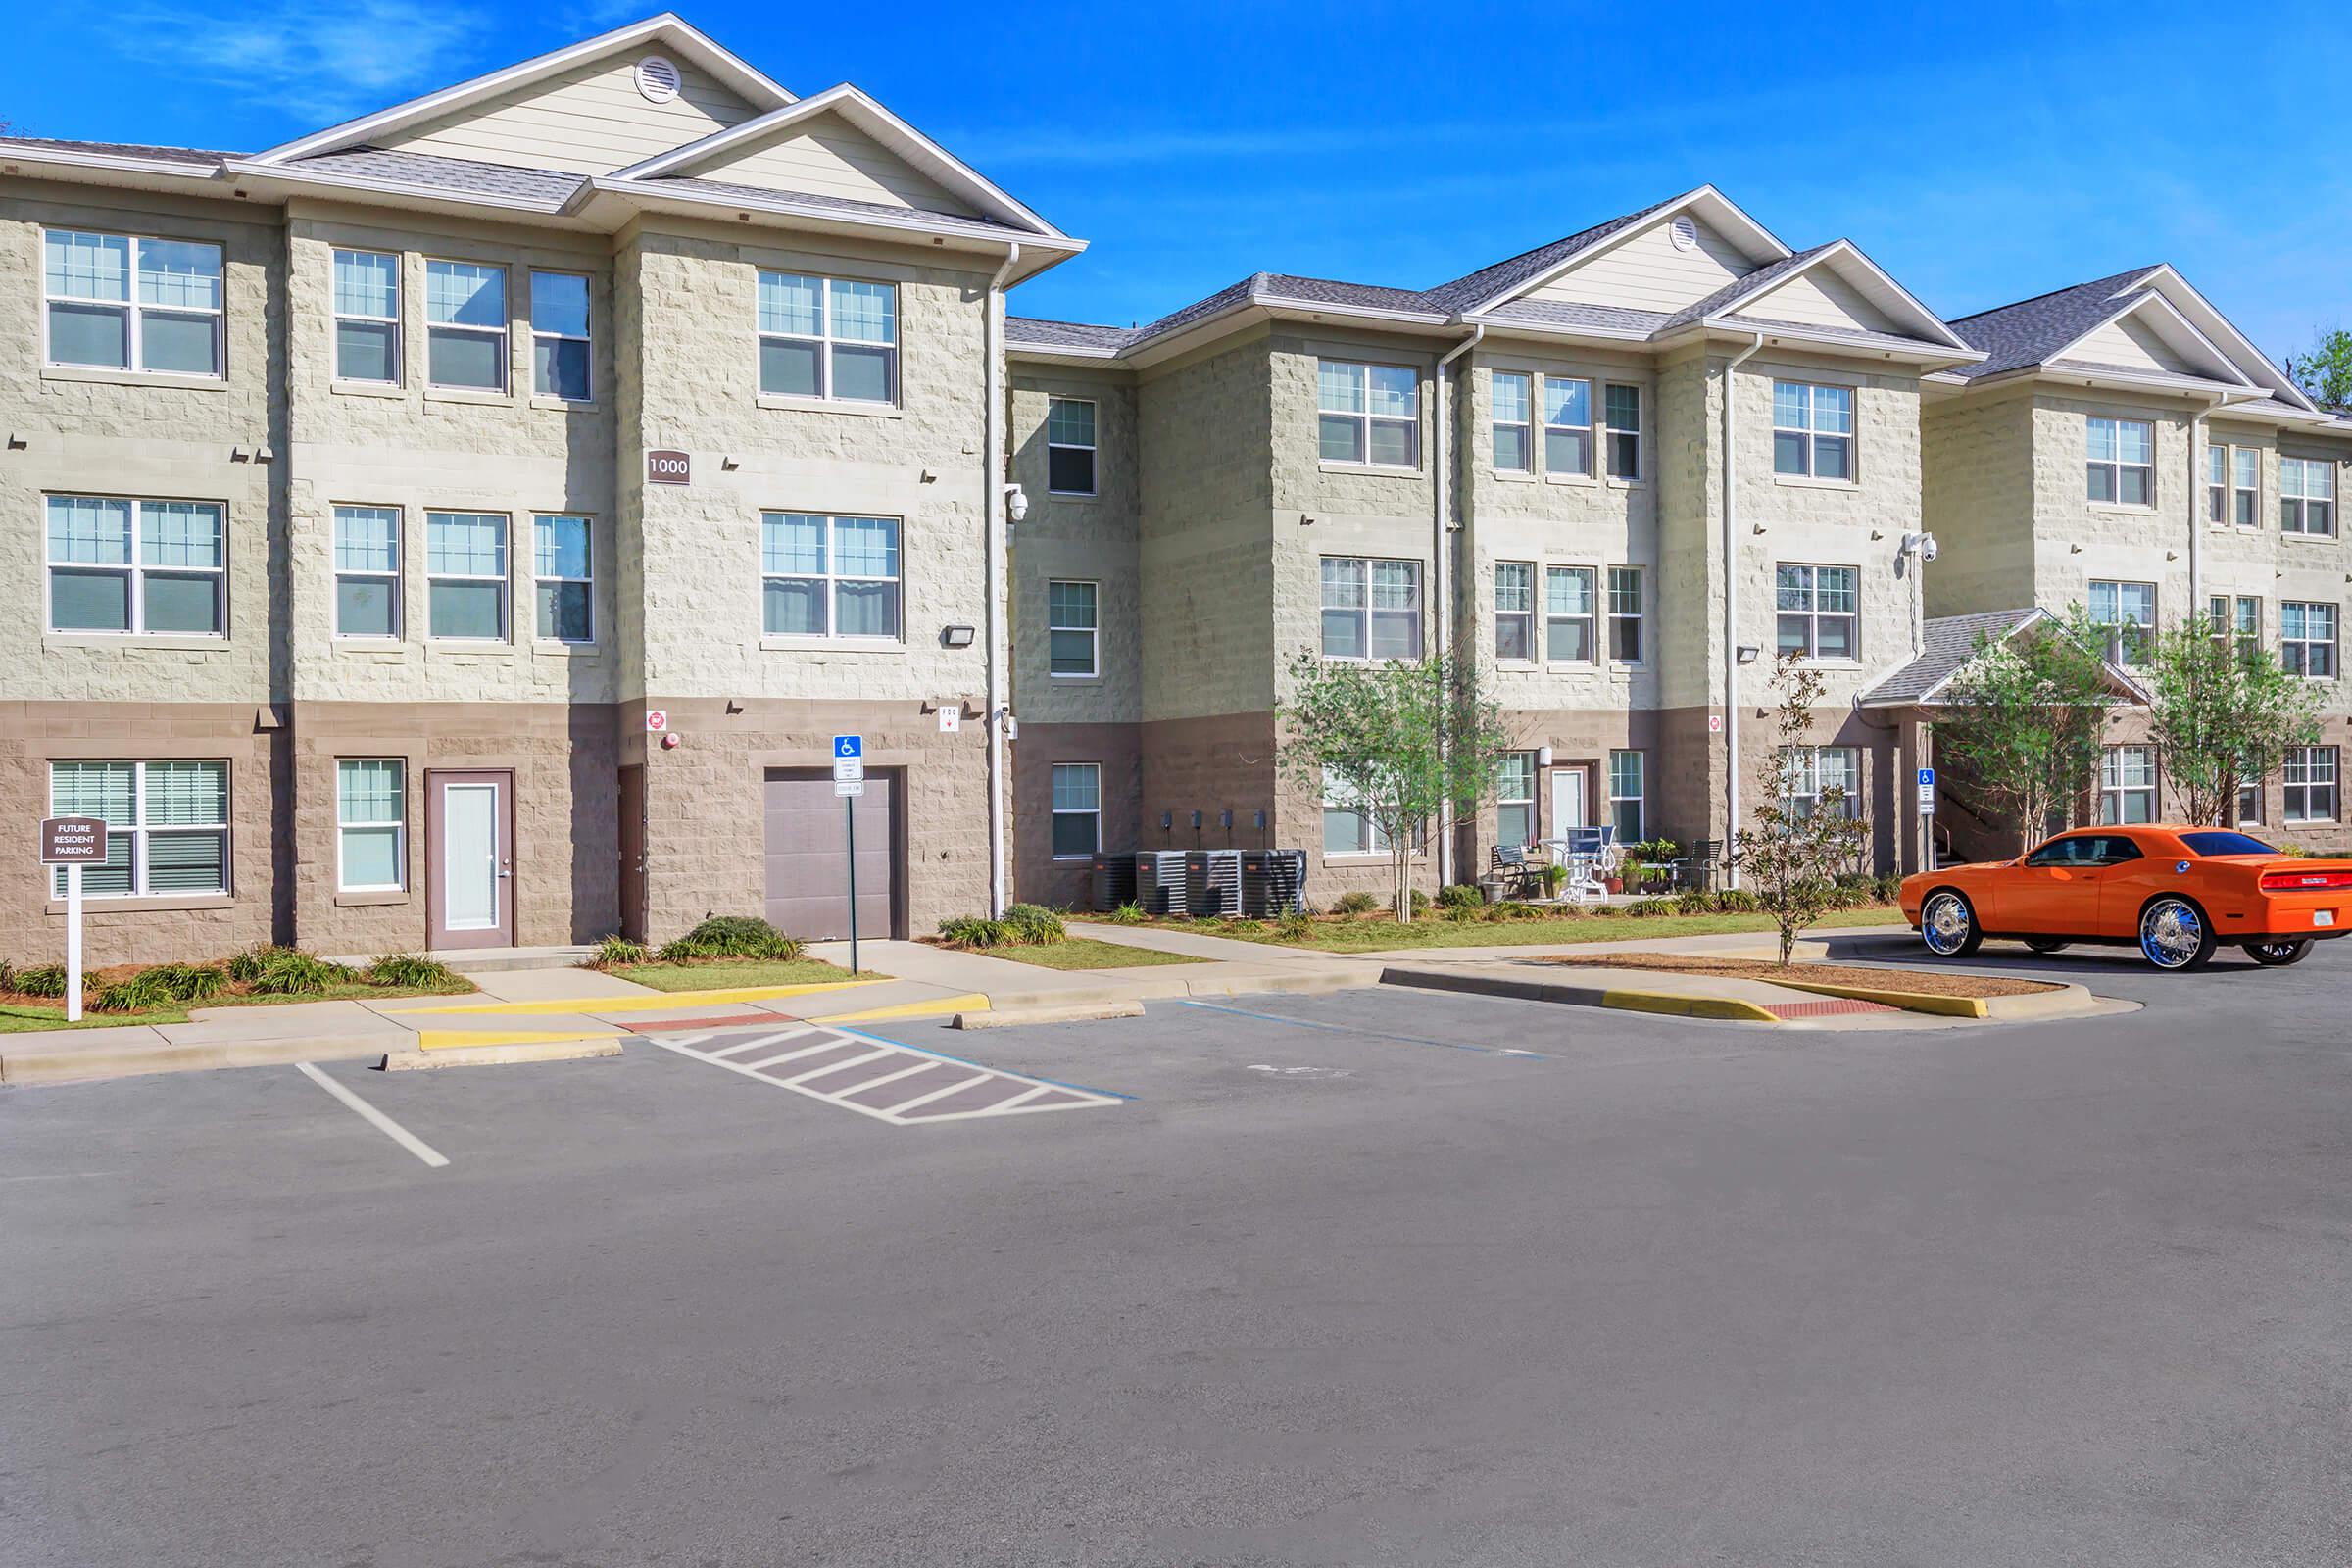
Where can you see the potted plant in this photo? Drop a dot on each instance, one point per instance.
(1554, 876)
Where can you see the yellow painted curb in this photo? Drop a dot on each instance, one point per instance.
(1908, 1000)
(1682, 1007)
(454, 1039)
(971, 1001)
(653, 1001)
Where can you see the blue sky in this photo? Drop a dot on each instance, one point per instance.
(1979, 152)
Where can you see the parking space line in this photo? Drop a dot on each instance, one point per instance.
(374, 1117)
(789, 1055)
(775, 1038)
(838, 1066)
(875, 1062)
(920, 1100)
(886, 1078)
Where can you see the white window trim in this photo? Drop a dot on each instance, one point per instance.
(587, 521)
(338, 315)
(2310, 758)
(399, 824)
(1094, 633)
(1502, 802)
(2307, 643)
(133, 310)
(1367, 609)
(135, 571)
(2298, 502)
(1372, 844)
(504, 581)
(1608, 434)
(1814, 615)
(1365, 418)
(827, 339)
(1092, 450)
(2117, 466)
(140, 830)
(1055, 810)
(336, 572)
(1638, 618)
(1640, 800)
(1591, 619)
(2113, 791)
(1589, 430)
(588, 285)
(832, 577)
(1527, 616)
(502, 332)
(1805, 772)
(2222, 610)
(2246, 500)
(1811, 472)
(1526, 426)
(2116, 650)
(2217, 485)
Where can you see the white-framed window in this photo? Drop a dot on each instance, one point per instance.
(1514, 434)
(1073, 630)
(825, 576)
(1815, 770)
(2307, 639)
(1070, 446)
(2245, 486)
(372, 824)
(1628, 796)
(1371, 607)
(1347, 828)
(2306, 495)
(367, 289)
(2128, 610)
(1368, 414)
(465, 325)
(1569, 614)
(2122, 460)
(465, 576)
(1568, 426)
(2249, 797)
(1624, 615)
(1077, 811)
(1515, 799)
(2311, 783)
(828, 337)
(368, 571)
(1621, 412)
(2127, 785)
(562, 358)
(1818, 610)
(2236, 622)
(1515, 610)
(1812, 430)
(138, 568)
(564, 577)
(122, 302)
(2217, 484)
(167, 825)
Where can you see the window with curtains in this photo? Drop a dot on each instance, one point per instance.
(563, 578)
(122, 302)
(2306, 496)
(2128, 611)
(1814, 771)
(2127, 785)
(2245, 486)
(1368, 414)
(2121, 460)
(1515, 799)
(368, 571)
(372, 831)
(1371, 608)
(1621, 414)
(167, 825)
(562, 363)
(465, 576)
(1568, 614)
(1070, 446)
(1514, 443)
(2311, 783)
(465, 325)
(1624, 615)
(828, 337)
(2307, 639)
(138, 568)
(1817, 612)
(1628, 796)
(826, 576)
(1568, 427)
(1077, 811)
(1514, 611)
(367, 289)
(1072, 635)
(1812, 430)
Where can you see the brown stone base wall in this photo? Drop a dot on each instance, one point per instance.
(1118, 749)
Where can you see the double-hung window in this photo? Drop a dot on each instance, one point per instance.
(1621, 412)
(2217, 484)
(1514, 447)
(1567, 425)
(2127, 785)
(2236, 622)
(562, 364)
(1814, 771)
(121, 303)
(466, 575)
(2249, 795)
(1070, 446)
(1371, 608)
(2307, 639)
(828, 337)
(1625, 616)
(1515, 799)
(2245, 486)
(167, 825)
(2306, 495)
(1514, 611)
(2121, 460)
(1568, 614)
(1627, 795)
(1072, 632)
(563, 572)
(825, 576)
(1347, 828)
(1077, 809)
(1818, 610)
(366, 572)
(2311, 783)
(1812, 430)
(465, 325)
(1368, 414)
(366, 285)
(137, 567)
(372, 824)
(2128, 610)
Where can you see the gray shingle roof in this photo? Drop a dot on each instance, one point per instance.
(1565, 312)
(459, 176)
(1473, 288)
(118, 149)
(759, 196)
(1950, 642)
(2029, 331)
(1036, 333)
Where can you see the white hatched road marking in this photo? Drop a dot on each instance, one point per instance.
(884, 1063)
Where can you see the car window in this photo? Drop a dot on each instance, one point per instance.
(2219, 843)
(2077, 850)
(2117, 850)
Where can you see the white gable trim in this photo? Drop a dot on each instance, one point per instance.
(869, 116)
(667, 28)
(2232, 374)
(1719, 211)
(1924, 322)
(2163, 279)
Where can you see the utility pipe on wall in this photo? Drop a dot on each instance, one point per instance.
(992, 491)
(1730, 601)
(1442, 561)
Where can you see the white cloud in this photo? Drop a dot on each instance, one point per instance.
(316, 64)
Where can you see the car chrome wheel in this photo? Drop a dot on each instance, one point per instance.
(1948, 924)
(2174, 935)
(2276, 954)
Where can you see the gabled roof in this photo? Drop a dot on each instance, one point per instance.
(1495, 286)
(1503, 278)
(1949, 644)
(430, 174)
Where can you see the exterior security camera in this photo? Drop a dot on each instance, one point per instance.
(1926, 547)
(1017, 502)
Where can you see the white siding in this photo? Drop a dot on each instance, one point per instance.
(830, 156)
(590, 119)
(2133, 346)
(1818, 298)
(1647, 273)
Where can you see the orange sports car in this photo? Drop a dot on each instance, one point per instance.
(2179, 892)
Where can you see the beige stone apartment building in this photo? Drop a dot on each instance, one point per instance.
(471, 524)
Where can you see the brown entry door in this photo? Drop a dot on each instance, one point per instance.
(807, 832)
(470, 855)
(632, 850)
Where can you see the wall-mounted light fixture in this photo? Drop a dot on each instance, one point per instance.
(1542, 756)
(1750, 653)
(955, 636)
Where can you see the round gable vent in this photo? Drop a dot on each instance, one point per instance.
(657, 79)
(1685, 233)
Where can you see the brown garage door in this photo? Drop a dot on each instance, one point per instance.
(808, 868)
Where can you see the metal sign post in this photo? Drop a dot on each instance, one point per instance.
(73, 842)
(849, 782)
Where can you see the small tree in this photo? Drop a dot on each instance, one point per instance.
(1399, 740)
(1794, 855)
(2326, 372)
(2025, 719)
(2222, 710)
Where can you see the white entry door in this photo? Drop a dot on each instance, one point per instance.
(1568, 800)
(469, 825)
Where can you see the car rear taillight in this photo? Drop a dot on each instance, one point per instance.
(2306, 881)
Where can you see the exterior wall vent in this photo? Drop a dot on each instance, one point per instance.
(1685, 233)
(657, 79)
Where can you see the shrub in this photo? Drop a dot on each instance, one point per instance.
(974, 931)
(1357, 902)
(246, 968)
(1461, 896)
(1887, 889)
(1419, 902)
(188, 982)
(1295, 926)
(1127, 914)
(292, 972)
(1521, 910)
(1735, 901)
(412, 972)
(1610, 910)
(141, 992)
(41, 980)
(731, 936)
(1696, 903)
(1034, 925)
(1643, 908)
(615, 950)
(8, 975)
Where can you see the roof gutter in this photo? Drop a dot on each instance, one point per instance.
(1731, 602)
(1442, 560)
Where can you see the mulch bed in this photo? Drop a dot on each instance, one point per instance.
(1922, 982)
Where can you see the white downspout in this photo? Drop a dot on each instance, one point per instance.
(992, 473)
(1441, 558)
(1731, 602)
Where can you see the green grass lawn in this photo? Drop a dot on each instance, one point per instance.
(22, 1017)
(729, 974)
(1381, 935)
(1085, 952)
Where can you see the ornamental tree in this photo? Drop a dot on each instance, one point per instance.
(2025, 719)
(1791, 852)
(2223, 710)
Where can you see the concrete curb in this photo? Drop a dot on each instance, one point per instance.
(2068, 999)
(1671, 1003)
(498, 1056)
(24, 1068)
(1304, 979)
(1067, 1012)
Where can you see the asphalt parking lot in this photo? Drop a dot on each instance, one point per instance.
(1377, 1278)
